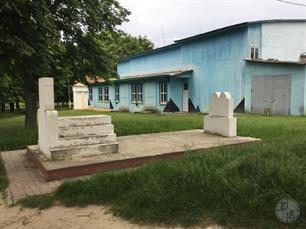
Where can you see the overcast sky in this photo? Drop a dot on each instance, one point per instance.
(164, 21)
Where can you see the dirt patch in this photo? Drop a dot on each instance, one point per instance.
(59, 217)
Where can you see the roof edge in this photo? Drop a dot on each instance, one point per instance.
(178, 43)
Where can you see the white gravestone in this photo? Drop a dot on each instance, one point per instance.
(80, 96)
(71, 137)
(220, 119)
(47, 117)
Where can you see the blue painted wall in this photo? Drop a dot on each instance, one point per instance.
(218, 64)
(150, 88)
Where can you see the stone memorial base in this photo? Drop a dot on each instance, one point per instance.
(220, 125)
(135, 150)
(84, 136)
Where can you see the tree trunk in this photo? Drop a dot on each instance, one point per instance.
(12, 107)
(3, 107)
(30, 96)
(17, 105)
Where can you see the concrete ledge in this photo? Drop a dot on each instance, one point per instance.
(134, 150)
(82, 169)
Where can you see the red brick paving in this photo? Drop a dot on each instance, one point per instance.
(24, 178)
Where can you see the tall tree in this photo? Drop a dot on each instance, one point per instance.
(119, 44)
(36, 37)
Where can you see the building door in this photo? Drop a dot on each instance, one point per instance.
(185, 97)
(271, 94)
(279, 101)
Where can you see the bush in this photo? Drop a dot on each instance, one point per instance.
(151, 109)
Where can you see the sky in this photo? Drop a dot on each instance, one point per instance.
(164, 21)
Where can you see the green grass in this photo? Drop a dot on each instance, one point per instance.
(3, 178)
(13, 135)
(233, 186)
(40, 202)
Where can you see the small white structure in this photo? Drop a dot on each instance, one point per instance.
(69, 137)
(220, 119)
(80, 96)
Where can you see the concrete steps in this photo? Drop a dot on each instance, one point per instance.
(74, 131)
(83, 136)
(86, 140)
(90, 120)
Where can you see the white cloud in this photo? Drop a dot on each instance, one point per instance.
(164, 21)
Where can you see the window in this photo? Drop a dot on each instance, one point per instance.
(100, 94)
(90, 93)
(136, 93)
(106, 95)
(163, 89)
(117, 94)
(254, 53)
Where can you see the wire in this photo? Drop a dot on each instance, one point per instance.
(293, 3)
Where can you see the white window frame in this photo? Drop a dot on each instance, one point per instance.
(254, 53)
(100, 94)
(163, 93)
(117, 93)
(106, 94)
(136, 93)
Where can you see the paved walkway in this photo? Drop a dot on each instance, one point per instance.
(26, 180)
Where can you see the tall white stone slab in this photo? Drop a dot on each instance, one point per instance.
(80, 96)
(220, 119)
(47, 117)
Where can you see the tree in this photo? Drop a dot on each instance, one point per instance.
(36, 37)
(119, 44)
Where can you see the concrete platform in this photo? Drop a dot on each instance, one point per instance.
(134, 150)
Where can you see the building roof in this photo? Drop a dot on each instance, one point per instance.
(173, 73)
(98, 79)
(236, 26)
(210, 33)
(78, 84)
(274, 61)
(157, 74)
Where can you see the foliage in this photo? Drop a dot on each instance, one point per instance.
(3, 178)
(54, 38)
(10, 90)
(120, 45)
(40, 202)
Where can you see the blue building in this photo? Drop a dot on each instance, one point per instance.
(262, 64)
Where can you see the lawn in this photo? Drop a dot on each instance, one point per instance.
(233, 186)
(14, 136)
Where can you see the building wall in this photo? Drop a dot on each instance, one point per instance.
(297, 74)
(284, 40)
(161, 61)
(217, 64)
(150, 90)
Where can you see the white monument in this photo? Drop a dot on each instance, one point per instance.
(80, 96)
(47, 117)
(62, 138)
(220, 119)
